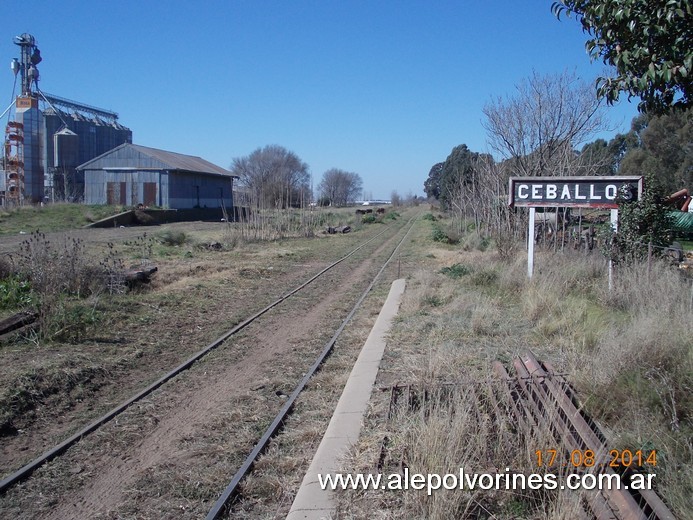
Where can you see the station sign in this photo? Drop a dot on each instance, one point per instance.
(574, 192)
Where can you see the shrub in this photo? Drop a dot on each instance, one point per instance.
(456, 271)
(438, 235)
(485, 278)
(6, 269)
(368, 219)
(70, 321)
(173, 238)
(449, 236)
(640, 223)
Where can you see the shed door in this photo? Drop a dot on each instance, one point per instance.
(149, 194)
(115, 193)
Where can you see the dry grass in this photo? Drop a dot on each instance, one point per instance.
(628, 351)
(264, 224)
(269, 490)
(461, 426)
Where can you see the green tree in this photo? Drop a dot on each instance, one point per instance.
(457, 170)
(621, 145)
(596, 159)
(646, 221)
(664, 150)
(432, 184)
(649, 42)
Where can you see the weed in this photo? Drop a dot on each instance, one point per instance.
(143, 247)
(456, 271)
(485, 277)
(173, 238)
(446, 236)
(71, 321)
(6, 267)
(34, 386)
(438, 235)
(433, 301)
(113, 271)
(15, 293)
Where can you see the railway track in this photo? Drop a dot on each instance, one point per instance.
(61, 448)
(222, 504)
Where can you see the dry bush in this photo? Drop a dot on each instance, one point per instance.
(7, 268)
(486, 319)
(265, 224)
(60, 274)
(628, 350)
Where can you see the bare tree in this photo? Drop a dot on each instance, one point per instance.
(538, 132)
(273, 177)
(340, 187)
(541, 127)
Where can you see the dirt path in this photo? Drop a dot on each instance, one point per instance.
(203, 424)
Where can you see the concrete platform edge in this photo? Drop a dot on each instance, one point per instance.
(311, 502)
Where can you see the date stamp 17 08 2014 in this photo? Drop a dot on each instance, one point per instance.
(588, 458)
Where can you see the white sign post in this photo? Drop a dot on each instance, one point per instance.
(571, 192)
(530, 244)
(614, 228)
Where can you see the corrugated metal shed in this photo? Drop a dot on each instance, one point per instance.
(682, 222)
(134, 156)
(132, 174)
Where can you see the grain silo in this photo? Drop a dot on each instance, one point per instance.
(52, 135)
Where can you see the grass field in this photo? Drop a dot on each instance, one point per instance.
(52, 217)
(627, 351)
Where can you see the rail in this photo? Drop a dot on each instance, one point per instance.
(221, 505)
(26, 471)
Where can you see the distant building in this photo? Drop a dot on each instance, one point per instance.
(132, 174)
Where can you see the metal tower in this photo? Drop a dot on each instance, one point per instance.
(30, 56)
(23, 168)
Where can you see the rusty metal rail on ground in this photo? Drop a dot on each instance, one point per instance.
(542, 398)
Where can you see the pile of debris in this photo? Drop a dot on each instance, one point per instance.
(336, 230)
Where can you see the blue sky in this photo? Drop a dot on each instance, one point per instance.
(381, 88)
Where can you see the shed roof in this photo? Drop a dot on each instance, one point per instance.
(130, 156)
